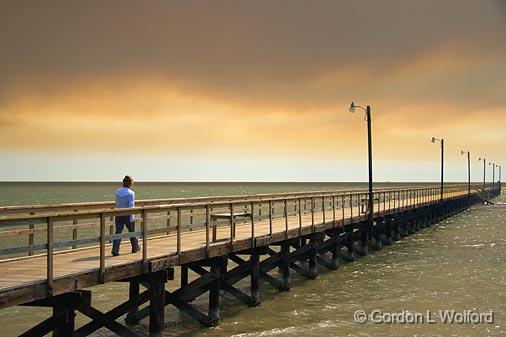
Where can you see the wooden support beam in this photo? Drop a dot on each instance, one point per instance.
(238, 273)
(271, 280)
(65, 317)
(99, 320)
(184, 276)
(335, 254)
(230, 289)
(312, 257)
(349, 246)
(377, 242)
(270, 263)
(191, 311)
(364, 242)
(331, 245)
(301, 271)
(214, 293)
(157, 304)
(255, 277)
(108, 319)
(62, 322)
(410, 226)
(388, 231)
(133, 291)
(396, 227)
(179, 297)
(285, 265)
(194, 289)
(300, 253)
(236, 259)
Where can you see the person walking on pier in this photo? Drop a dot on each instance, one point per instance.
(125, 198)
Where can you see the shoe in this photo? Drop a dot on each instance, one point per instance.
(114, 254)
(136, 250)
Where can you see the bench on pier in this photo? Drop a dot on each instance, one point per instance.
(227, 216)
(364, 204)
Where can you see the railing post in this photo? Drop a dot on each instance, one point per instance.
(168, 222)
(252, 224)
(286, 216)
(49, 260)
(102, 248)
(333, 211)
(312, 214)
(208, 216)
(342, 208)
(232, 222)
(270, 217)
(323, 209)
(351, 206)
(31, 237)
(74, 230)
(111, 226)
(191, 219)
(300, 217)
(144, 216)
(178, 232)
(379, 202)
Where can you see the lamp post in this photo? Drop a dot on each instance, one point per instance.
(442, 141)
(484, 172)
(493, 175)
(370, 207)
(468, 170)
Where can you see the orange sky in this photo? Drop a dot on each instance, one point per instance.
(190, 90)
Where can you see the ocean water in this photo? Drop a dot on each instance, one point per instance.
(33, 193)
(458, 264)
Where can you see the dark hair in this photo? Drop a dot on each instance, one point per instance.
(127, 181)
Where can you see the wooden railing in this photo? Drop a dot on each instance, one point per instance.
(99, 205)
(74, 226)
(165, 218)
(155, 220)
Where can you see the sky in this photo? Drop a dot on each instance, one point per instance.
(250, 91)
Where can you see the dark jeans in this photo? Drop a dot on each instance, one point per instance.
(121, 222)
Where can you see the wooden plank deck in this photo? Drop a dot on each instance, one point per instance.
(24, 279)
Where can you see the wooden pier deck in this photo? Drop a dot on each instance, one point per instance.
(180, 233)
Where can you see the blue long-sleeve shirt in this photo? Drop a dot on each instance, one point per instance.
(125, 198)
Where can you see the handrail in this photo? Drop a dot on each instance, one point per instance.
(187, 205)
(146, 202)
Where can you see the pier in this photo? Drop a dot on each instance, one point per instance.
(56, 253)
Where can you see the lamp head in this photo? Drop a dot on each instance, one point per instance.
(462, 152)
(352, 107)
(433, 140)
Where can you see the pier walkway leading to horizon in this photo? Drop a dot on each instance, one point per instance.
(69, 247)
